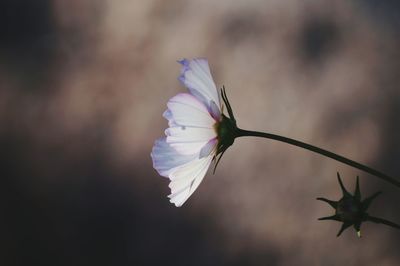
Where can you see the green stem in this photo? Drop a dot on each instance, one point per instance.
(246, 133)
(382, 221)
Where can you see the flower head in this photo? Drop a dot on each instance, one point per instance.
(352, 211)
(198, 131)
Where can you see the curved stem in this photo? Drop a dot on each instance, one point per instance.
(247, 133)
(382, 221)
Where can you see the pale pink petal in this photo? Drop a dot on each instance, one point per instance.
(168, 115)
(189, 134)
(187, 110)
(166, 159)
(189, 140)
(186, 179)
(215, 111)
(210, 147)
(196, 76)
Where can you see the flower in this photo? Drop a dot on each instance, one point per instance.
(351, 210)
(198, 131)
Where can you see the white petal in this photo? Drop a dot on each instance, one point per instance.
(215, 112)
(208, 148)
(186, 179)
(166, 159)
(196, 76)
(189, 134)
(189, 140)
(187, 110)
(168, 115)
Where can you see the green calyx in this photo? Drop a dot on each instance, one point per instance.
(352, 211)
(226, 130)
(226, 133)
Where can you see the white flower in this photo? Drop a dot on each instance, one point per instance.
(191, 141)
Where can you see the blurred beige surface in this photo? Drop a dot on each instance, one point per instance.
(318, 71)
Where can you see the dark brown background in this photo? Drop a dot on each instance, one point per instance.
(83, 85)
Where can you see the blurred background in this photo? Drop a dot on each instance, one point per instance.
(83, 85)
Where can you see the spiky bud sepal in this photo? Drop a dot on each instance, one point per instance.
(352, 211)
(226, 129)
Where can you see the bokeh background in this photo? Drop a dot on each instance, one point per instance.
(83, 85)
